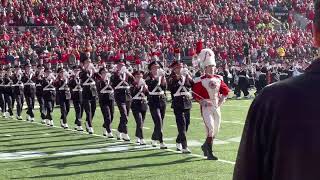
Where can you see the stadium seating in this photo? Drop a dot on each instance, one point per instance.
(140, 30)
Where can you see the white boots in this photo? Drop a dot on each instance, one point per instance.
(122, 136)
(64, 126)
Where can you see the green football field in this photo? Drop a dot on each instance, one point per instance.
(35, 151)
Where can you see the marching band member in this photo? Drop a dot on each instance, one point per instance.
(121, 80)
(49, 95)
(179, 85)
(64, 96)
(243, 83)
(29, 91)
(8, 93)
(2, 92)
(76, 96)
(89, 92)
(157, 85)
(106, 100)
(18, 90)
(261, 80)
(139, 104)
(283, 73)
(210, 91)
(275, 77)
(39, 75)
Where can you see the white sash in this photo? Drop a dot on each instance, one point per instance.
(63, 87)
(157, 88)
(78, 86)
(30, 82)
(185, 91)
(9, 84)
(49, 87)
(140, 95)
(19, 83)
(107, 89)
(123, 84)
(89, 82)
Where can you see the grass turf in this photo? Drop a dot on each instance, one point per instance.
(65, 154)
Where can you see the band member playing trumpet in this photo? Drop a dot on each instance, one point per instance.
(18, 90)
(106, 100)
(49, 95)
(87, 77)
(76, 96)
(121, 80)
(29, 91)
(39, 92)
(64, 95)
(179, 84)
(8, 93)
(2, 92)
(157, 85)
(139, 104)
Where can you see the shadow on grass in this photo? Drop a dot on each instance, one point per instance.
(27, 134)
(130, 167)
(51, 140)
(29, 138)
(92, 141)
(45, 159)
(17, 126)
(17, 130)
(90, 162)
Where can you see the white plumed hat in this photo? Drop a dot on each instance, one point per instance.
(206, 58)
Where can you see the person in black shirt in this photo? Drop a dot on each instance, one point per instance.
(261, 80)
(8, 92)
(49, 95)
(179, 84)
(76, 96)
(89, 93)
(64, 95)
(39, 92)
(139, 104)
(157, 85)
(18, 90)
(121, 80)
(2, 92)
(106, 100)
(243, 83)
(29, 91)
(280, 139)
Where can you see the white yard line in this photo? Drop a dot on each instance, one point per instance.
(169, 150)
(230, 122)
(170, 115)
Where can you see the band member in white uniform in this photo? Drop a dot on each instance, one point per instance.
(211, 92)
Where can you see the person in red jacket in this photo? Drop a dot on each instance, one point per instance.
(211, 92)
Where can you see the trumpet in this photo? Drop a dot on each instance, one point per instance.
(107, 78)
(19, 77)
(167, 71)
(130, 70)
(192, 71)
(161, 72)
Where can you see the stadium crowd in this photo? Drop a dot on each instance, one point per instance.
(62, 31)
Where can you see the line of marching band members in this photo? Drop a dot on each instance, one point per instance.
(138, 91)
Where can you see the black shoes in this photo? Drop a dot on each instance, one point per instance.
(207, 151)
